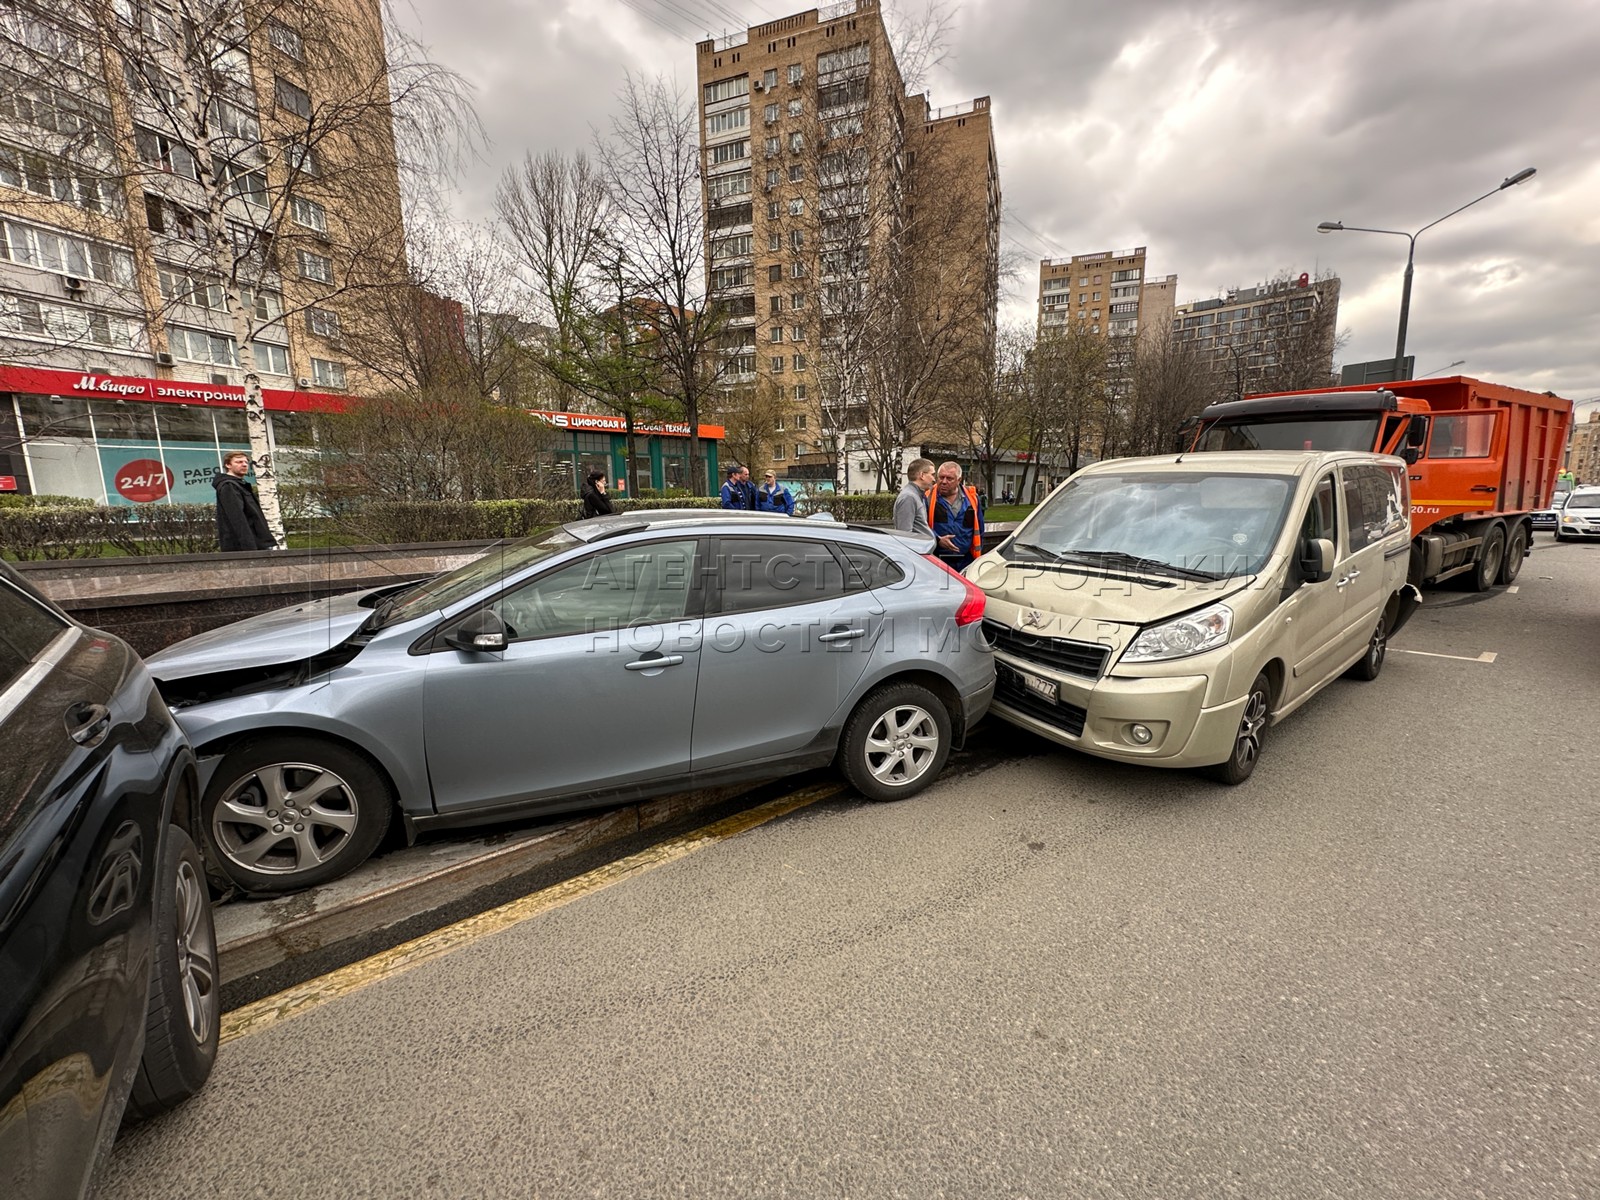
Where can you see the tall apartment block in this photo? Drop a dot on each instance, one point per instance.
(1266, 333)
(1106, 293)
(155, 165)
(827, 186)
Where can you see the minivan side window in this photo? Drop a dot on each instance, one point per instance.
(26, 629)
(1320, 515)
(1374, 502)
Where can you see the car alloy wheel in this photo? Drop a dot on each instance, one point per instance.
(901, 745)
(285, 813)
(197, 951)
(285, 818)
(1247, 739)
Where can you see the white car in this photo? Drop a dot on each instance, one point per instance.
(1580, 515)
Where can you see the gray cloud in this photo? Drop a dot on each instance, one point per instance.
(1217, 134)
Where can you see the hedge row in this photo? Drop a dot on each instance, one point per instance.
(83, 530)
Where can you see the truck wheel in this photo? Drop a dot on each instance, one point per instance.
(1490, 555)
(1516, 549)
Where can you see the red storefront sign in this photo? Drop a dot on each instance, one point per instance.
(143, 480)
(39, 381)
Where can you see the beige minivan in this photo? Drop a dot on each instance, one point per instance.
(1168, 610)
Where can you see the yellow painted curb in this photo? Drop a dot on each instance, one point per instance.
(314, 993)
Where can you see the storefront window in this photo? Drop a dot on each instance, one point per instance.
(232, 429)
(55, 416)
(639, 477)
(292, 429)
(184, 423)
(124, 422)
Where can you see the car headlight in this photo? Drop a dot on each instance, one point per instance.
(1568, 519)
(1204, 629)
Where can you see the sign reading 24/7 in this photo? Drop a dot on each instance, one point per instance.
(142, 480)
(180, 475)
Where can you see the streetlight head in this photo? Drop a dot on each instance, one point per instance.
(1525, 173)
(1330, 227)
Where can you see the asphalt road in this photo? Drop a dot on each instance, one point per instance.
(1369, 972)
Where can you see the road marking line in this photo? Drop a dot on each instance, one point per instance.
(314, 993)
(1488, 656)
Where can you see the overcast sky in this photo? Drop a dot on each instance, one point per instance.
(1216, 134)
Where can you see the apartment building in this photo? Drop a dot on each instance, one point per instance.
(184, 193)
(1583, 450)
(1106, 293)
(1276, 336)
(836, 206)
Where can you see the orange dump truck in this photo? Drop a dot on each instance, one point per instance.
(1483, 458)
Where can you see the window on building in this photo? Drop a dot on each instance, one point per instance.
(777, 364)
(327, 373)
(796, 108)
(774, 210)
(797, 72)
(770, 114)
(774, 273)
(797, 270)
(727, 89)
(796, 172)
(323, 323)
(308, 214)
(797, 142)
(774, 242)
(775, 334)
(732, 247)
(729, 119)
(734, 183)
(770, 146)
(774, 177)
(777, 426)
(202, 346)
(777, 452)
(301, 160)
(288, 96)
(163, 152)
(31, 246)
(314, 266)
(769, 78)
(285, 40)
(797, 206)
(261, 303)
(800, 394)
(797, 333)
(799, 362)
(729, 151)
(775, 303)
(797, 300)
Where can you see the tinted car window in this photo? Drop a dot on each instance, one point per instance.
(26, 628)
(757, 573)
(867, 568)
(632, 585)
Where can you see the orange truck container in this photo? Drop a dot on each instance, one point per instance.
(1482, 458)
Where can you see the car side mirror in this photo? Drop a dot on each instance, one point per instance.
(481, 632)
(1316, 560)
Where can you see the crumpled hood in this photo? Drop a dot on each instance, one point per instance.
(1077, 605)
(284, 635)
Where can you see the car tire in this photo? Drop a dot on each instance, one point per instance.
(184, 1013)
(338, 805)
(1247, 740)
(1561, 537)
(896, 742)
(1366, 668)
(1516, 550)
(1492, 554)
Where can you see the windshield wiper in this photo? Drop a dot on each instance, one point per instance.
(1049, 554)
(1119, 558)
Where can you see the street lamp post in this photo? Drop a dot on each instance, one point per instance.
(1411, 255)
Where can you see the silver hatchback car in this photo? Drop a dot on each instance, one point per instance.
(599, 663)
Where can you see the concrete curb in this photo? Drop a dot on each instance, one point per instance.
(255, 935)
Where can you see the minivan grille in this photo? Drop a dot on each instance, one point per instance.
(1076, 658)
(1013, 693)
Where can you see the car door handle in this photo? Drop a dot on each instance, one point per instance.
(651, 663)
(840, 633)
(1348, 577)
(87, 724)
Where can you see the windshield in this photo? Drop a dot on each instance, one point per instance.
(1320, 433)
(444, 590)
(1212, 527)
(1583, 500)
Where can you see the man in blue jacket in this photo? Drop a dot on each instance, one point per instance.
(737, 492)
(956, 514)
(772, 496)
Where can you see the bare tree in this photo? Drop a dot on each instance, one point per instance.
(1069, 370)
(1171, 382)
(752, 419)
(271, 142)
(991, 407)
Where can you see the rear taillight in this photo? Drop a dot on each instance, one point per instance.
(971, 608)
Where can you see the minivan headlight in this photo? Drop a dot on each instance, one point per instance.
(1194, 633)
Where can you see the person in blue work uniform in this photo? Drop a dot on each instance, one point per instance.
(956, 513)
(737, 492)
(772, 496)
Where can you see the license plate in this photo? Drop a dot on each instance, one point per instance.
(1045, 689)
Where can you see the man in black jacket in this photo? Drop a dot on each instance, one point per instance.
(240, 523)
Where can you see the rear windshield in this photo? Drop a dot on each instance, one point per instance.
(1322, 433)
(1182, 524)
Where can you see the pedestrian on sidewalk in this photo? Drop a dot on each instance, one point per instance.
(595, 501)
(240, 522)
(772, 496)
(737, 492)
